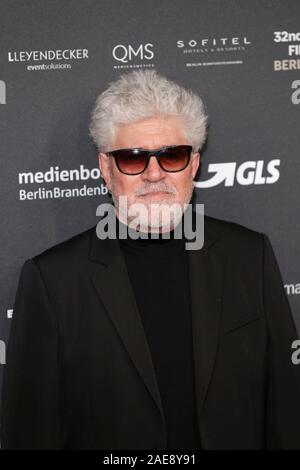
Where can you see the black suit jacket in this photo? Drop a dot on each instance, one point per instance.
(79, 373)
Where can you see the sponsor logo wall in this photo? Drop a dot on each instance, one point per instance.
(243, 58)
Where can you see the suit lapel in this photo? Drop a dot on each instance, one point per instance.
(115, 291)
(206, 281)
(206, 270)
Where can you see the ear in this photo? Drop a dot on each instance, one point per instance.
(195, 163)
(104, 166)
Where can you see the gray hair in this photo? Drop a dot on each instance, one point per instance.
(144, 94)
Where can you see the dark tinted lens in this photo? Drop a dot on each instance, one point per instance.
(131, 161)
(176, 158)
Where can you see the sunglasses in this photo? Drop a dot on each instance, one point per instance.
(134, 161)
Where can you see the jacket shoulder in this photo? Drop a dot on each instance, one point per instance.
(70, 252)
(234, 236)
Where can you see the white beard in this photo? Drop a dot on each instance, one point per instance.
(157, 215)
(160, 217)
(152, 216)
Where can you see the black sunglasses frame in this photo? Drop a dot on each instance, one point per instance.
(151, 153)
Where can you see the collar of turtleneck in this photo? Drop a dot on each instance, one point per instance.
(150, 245)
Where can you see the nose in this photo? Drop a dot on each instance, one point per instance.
(153, 171)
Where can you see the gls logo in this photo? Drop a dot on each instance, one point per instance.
(295, 96)
(2, 92)
(127, 53)
(246, 174)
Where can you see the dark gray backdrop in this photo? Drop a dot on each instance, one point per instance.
(240, 56)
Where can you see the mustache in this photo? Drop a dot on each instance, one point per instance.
(155, 188)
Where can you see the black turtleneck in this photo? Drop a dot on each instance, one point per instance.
(159, 273)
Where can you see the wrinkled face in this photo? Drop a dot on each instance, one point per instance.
(154, 185)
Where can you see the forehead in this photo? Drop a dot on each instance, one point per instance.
(150, 133)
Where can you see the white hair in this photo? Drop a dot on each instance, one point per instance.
(143, 94)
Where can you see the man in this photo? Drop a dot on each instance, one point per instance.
(139, 343)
